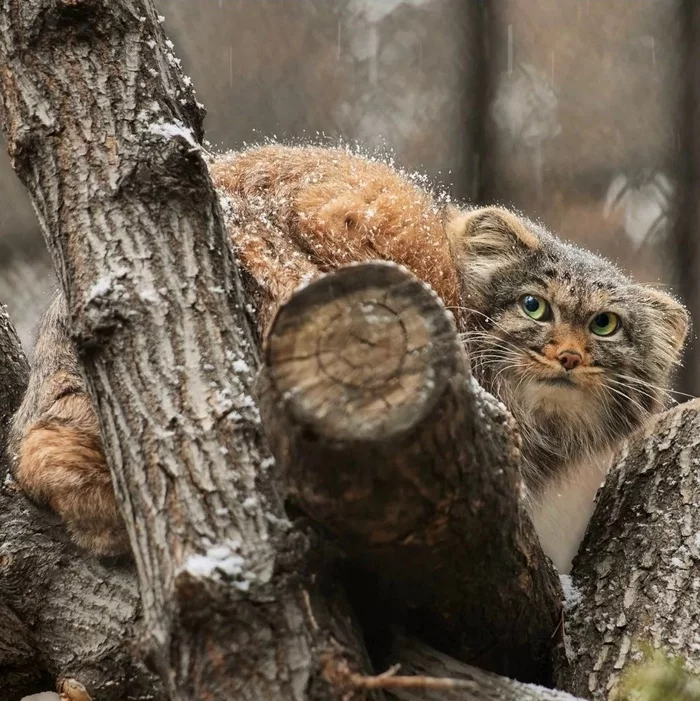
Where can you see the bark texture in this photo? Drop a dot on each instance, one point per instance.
(82, 616)
(14, 372)
(19, 669)
(389, 443)
(104, 132)
(636, 571)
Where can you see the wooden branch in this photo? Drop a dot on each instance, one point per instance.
(84, 614)
(389, 444)
(636, 571)
(20, 672)
(432, 676)
(104, 131)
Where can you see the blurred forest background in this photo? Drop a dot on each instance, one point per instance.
(580, 113)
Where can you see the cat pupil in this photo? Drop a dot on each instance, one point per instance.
(531, 304)
(602, 320)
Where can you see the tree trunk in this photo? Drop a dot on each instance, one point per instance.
(104, 132)
(636, 568)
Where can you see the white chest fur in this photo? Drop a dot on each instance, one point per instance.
(562, 512)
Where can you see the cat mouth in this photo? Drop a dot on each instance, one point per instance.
(558, 380)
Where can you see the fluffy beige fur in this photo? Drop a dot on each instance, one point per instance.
(295, 212)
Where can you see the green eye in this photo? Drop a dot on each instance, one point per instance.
(605, 324)
(536, 307)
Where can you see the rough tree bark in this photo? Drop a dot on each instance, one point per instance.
(365, 373)
(14, 373)
(104, 131)
(636, 570)
(18, 655)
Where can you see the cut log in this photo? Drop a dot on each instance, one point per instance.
(636, 571)
(390, 445)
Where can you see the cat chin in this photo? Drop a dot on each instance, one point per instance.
(554, 397)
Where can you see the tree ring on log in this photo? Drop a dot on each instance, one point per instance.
(375, 328)
(357, 357)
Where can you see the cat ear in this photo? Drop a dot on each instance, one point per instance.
(672, 316)
(490, 231)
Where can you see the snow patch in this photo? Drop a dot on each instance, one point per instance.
(572, 596)
(107, 285)
(100, 288)
(267, 463)
(241, 367)
(173, 130)
(221, 560)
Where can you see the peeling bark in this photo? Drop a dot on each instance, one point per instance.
(104, 133)
(636, 569)
(389, 443)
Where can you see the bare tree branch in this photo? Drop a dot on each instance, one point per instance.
(84, 614)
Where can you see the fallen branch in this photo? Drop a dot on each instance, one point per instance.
(390, 445)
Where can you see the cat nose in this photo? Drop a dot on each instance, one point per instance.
(569, 359)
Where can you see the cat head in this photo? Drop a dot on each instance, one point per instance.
(578, 352)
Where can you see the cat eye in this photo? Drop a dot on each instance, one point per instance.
(536, 307)
(605, 324)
